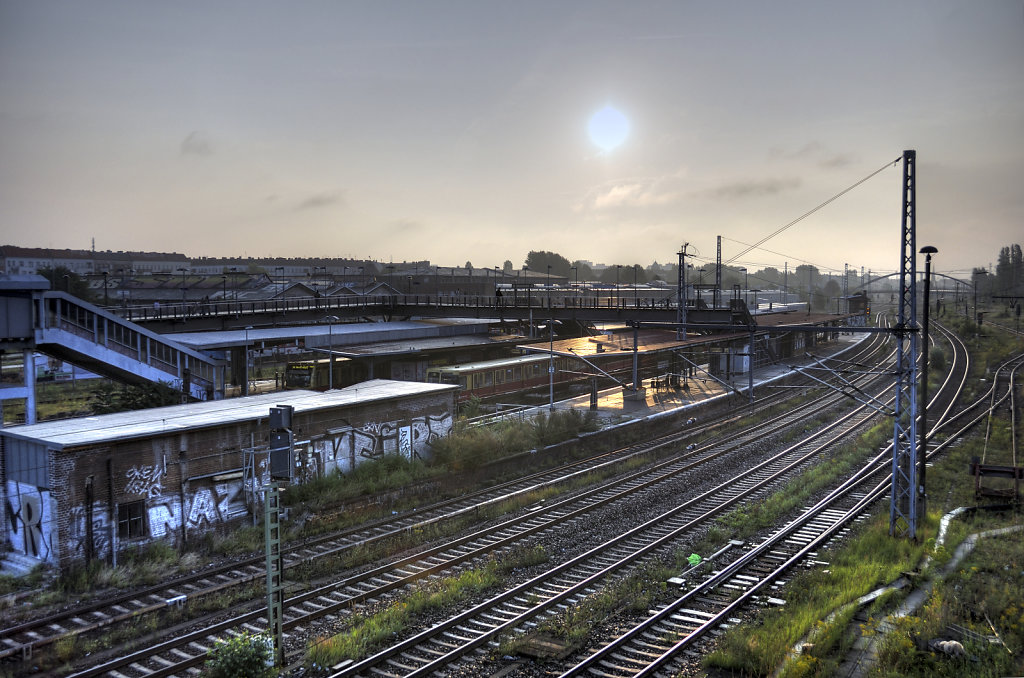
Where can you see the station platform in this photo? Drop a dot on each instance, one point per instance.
(618, 405)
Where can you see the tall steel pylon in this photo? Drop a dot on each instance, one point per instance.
(903, 504)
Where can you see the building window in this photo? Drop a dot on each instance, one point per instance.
(131, 520)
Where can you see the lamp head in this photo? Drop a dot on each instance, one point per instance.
(928, 249)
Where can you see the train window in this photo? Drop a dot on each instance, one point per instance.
(478, 380)
(517, 373)
(499, 376)
(433, 378)
(488, 378)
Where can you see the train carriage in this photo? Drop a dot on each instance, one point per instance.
(490, 378)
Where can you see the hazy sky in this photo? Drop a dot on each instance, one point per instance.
(457, 131)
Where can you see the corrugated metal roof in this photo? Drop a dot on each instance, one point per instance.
(110, 428)
(341, 334)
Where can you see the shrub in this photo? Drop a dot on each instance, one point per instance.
(243, 656)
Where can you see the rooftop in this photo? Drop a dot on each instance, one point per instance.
(110, 428)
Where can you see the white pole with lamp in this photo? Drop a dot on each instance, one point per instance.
(331, 319)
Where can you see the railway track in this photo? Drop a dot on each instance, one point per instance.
(656, 646)
(24, 639)
(447, 642)
(315, 602)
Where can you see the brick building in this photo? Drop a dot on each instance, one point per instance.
(89, 488)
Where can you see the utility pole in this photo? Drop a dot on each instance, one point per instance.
(846, 287)
(718, 275)
(903, 512)
(280, 459)
(681, 294)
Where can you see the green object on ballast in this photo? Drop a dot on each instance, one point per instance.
(694, 559)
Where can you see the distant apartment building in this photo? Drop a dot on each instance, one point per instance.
(29, 260)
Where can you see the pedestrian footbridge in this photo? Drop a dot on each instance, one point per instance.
(32, 318)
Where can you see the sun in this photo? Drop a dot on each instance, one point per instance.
(608, 128)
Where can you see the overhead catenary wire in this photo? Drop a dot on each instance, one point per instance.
(813, 210)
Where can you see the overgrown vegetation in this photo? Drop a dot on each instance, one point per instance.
(369, 632)
(245, 655)
(108, 397)
(464, 449)
(872, 559)
(145, 566)
(468, 447)
(985, 595)
(633, 594)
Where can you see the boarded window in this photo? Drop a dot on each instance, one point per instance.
(131, 520)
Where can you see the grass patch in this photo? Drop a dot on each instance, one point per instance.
(873, 559)
(986, 587)
(368, 633)
(633, 594)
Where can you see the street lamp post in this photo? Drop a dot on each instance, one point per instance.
(280, 273)
(746, 285)
(224, 287)
(977, 316)
(106, 296)
(547, 292)
(551, 360)
(922, 452)
(331, 319)
(183, 290)
(636, 270)
(245, 384)
(617, 267)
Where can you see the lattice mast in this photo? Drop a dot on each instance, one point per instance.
(846, 289)
(682, 294)
(903, 516)
(718, 275)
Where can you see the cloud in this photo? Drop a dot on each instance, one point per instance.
(838, 160)
(196, 143)
(817, 153)
(748, 189)
(404, 226)
(321, 200)
(629, 194)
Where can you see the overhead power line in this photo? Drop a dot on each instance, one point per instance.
(812, 211)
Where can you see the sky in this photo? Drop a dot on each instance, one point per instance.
(480, 130)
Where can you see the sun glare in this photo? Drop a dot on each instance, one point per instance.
(608, 128)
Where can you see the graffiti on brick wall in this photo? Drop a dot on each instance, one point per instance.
(146, 481)
(164, 514)
(31, 520)
(427, 429)
(217, 504)
(206, 507)
(376, 439)
(78, 530)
